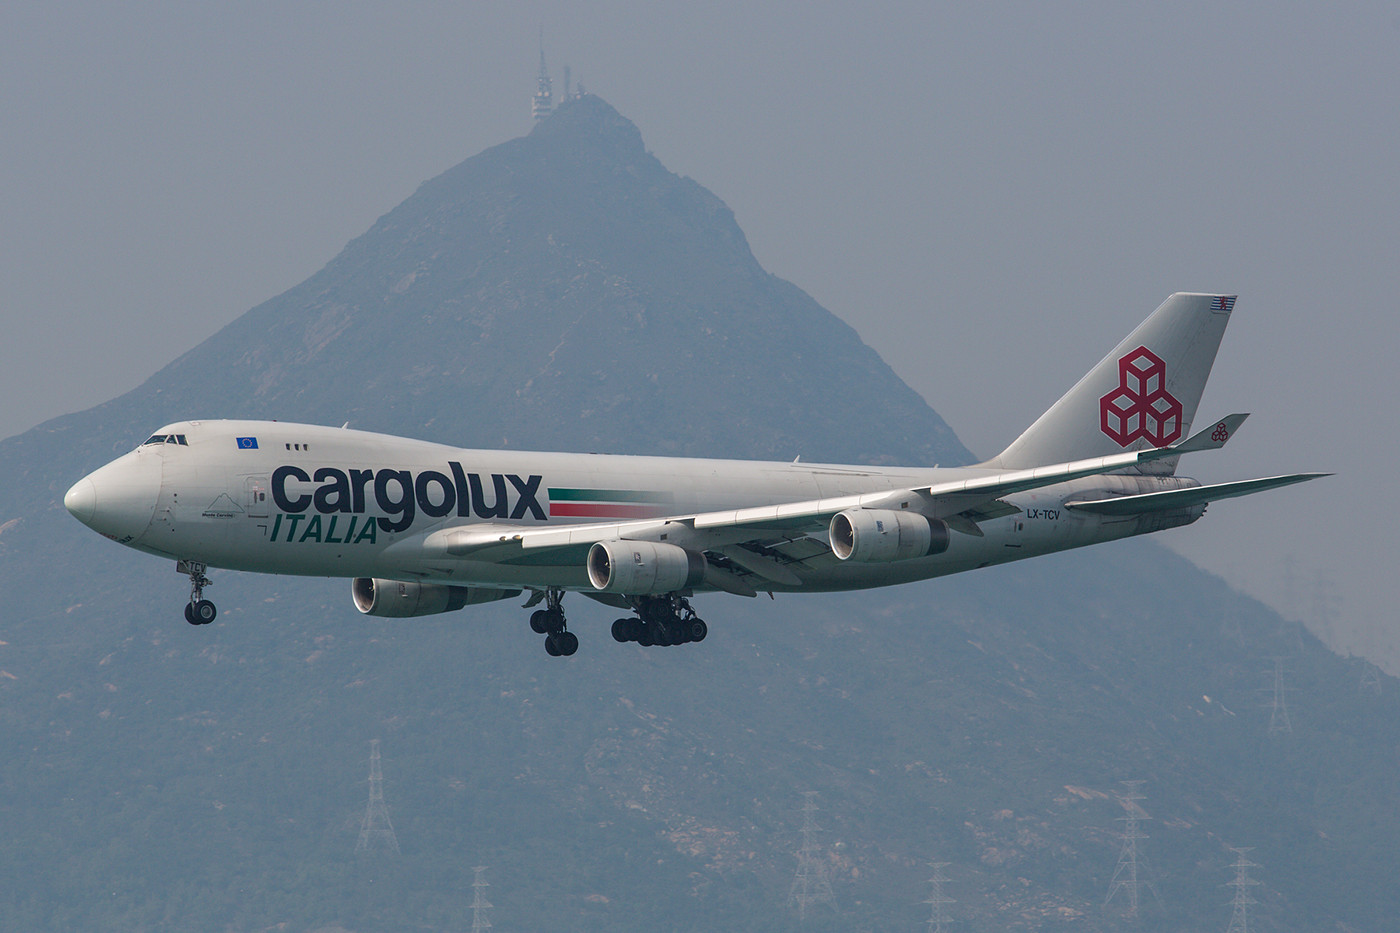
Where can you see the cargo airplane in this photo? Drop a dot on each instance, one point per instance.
(424, 528)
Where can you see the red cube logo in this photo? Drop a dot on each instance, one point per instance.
(1141, 407)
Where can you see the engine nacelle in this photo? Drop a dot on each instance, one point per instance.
(643, 568)
(397, 599)
(880, 535)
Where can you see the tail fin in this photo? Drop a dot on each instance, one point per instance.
(1143, 394)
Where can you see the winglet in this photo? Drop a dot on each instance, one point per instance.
(1213, 437)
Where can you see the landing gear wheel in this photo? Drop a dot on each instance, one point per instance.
(198, 611)
(661, 620)
(550, 622)
(201, 612)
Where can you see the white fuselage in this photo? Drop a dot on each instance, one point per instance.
(277, 497)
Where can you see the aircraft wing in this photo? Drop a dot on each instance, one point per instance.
(1181, 498)
(942, 500)
(963, 502)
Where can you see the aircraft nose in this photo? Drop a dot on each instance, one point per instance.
(81, 500)
(119, 499)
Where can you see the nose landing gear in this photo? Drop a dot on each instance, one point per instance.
(198, 611)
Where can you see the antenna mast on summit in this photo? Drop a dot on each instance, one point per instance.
(543, 104)
(376, 825)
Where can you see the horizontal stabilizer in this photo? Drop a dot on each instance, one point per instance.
(1213, 437)
(1184, 498)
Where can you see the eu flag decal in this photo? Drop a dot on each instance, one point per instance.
(247, 443)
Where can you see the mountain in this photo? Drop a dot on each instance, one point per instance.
(565, 291)
(569, 264)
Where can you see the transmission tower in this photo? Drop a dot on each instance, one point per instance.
(1370, 679)
(812, 884)
(1239, 918)
(1279, 722)
(1326, 607)
(479, 902)
(1292, 593)
(1293, 621)
(376, 827)
(938, 902)
(1128, 877)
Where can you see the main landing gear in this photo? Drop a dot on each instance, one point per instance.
(661, 620)
(198, 611)
(559, 642)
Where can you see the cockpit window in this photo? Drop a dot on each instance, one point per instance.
(166, 439)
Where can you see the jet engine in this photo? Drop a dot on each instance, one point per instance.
(878, 535)
(643, 568)
(398, 599)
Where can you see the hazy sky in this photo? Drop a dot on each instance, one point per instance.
(991, 194)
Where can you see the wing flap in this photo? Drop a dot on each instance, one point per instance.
(760, 565)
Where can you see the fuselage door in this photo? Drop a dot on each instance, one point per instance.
(256, 500)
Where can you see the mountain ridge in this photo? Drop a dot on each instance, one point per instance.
(596, 283)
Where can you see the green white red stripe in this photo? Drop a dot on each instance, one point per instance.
(608, 503)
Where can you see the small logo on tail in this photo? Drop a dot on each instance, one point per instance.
(1141, 407)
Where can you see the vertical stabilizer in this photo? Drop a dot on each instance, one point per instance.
(1143, 394)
